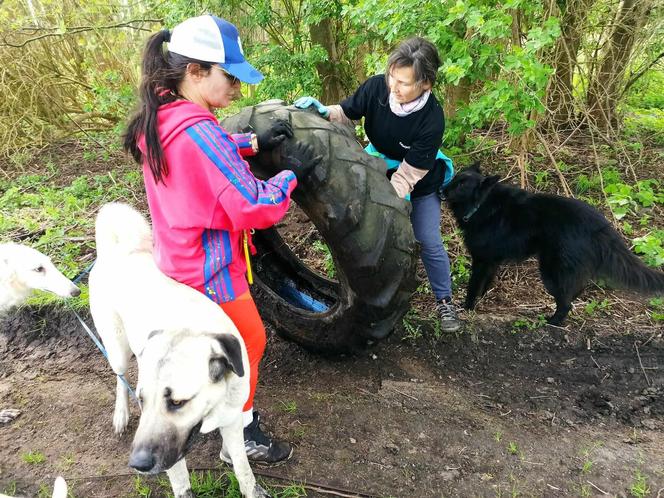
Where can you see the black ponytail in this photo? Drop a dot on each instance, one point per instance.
(161, 73)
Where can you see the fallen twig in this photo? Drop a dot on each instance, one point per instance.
(598, 489)
(650, 339)
(404, 394)
(641, 363)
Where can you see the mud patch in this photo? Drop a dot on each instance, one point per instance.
(485, 413)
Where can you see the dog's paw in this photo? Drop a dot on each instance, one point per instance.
(187, 494)
(120, 421)
(259, 492)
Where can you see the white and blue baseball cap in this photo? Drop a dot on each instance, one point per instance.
(212, 39)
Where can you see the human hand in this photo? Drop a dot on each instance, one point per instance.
(306, 102)
(275, 135)
(300, 158)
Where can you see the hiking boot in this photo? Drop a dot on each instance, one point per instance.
(260, 447)
(448, 317)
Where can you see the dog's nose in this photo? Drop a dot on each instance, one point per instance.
(141, 460)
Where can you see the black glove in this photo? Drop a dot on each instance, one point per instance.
(277, 133)
(300, 159)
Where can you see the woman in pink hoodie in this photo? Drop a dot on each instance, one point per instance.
(203, 198)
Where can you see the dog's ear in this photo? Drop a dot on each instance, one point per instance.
(155, 333)
(230, 358)
(475, 167)
(489, 181)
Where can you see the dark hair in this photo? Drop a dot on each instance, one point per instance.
(418, 53)
(161, 73)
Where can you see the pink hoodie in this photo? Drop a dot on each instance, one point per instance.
(209, 199)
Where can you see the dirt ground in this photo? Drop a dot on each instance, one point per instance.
(490, 412)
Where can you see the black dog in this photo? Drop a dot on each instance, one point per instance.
(573, 242)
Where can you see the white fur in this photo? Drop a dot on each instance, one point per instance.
(129, 299)
(59, 489)
(24, 269)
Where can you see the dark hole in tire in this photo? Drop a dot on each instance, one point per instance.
(295, 263)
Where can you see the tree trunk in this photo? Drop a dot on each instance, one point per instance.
(323, 34)
(560, 100)
(606, 87)
(455, 97)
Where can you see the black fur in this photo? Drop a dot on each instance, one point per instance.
(230, 360)
(573, 242)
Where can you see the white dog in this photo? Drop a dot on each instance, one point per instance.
(193, 369)
(59, 489)
(24, 269)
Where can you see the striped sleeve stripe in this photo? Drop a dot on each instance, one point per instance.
(243, 140)
(270, 195)
(222, 143)
(218, 256)
(277, 192)
(221, 161)
(266, 192)
(224, 156)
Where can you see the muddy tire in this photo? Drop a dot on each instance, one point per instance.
(365, 226)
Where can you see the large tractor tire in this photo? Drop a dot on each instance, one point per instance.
(364, 224)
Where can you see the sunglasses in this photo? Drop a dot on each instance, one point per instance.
(234, 80)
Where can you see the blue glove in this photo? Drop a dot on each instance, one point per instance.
(304, 102)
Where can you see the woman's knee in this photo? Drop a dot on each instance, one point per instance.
(256, 343)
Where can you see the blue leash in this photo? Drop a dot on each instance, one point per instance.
(78, 277)
(94, 337)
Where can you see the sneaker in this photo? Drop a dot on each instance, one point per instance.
(448, 317)
(260, 447)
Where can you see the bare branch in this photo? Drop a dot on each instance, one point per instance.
(640, 73)
(82, 29)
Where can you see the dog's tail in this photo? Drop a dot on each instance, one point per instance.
(120, 229)
(624, 269)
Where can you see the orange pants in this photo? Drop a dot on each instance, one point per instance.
(242, 311)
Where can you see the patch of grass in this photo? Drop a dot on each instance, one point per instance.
(209, 484)
(639, 487)
(461, 267)
(657, 307)
(594, 307)
(299, 432)
(40, 299)
(526, 324)
(587, 466)
(321, 397)
(58, 220)
(292, 491)
(651, 246)
(289, 406)
(512, 448)
(498, 436)
(412, 329)
(44, 491)
(10, 488)
(415, 323)
(328, 262)
(33, 457)
(645, 124)
(66, 461)
(141, 488)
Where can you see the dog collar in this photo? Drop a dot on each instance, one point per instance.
(470, 213)
(481, 200)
